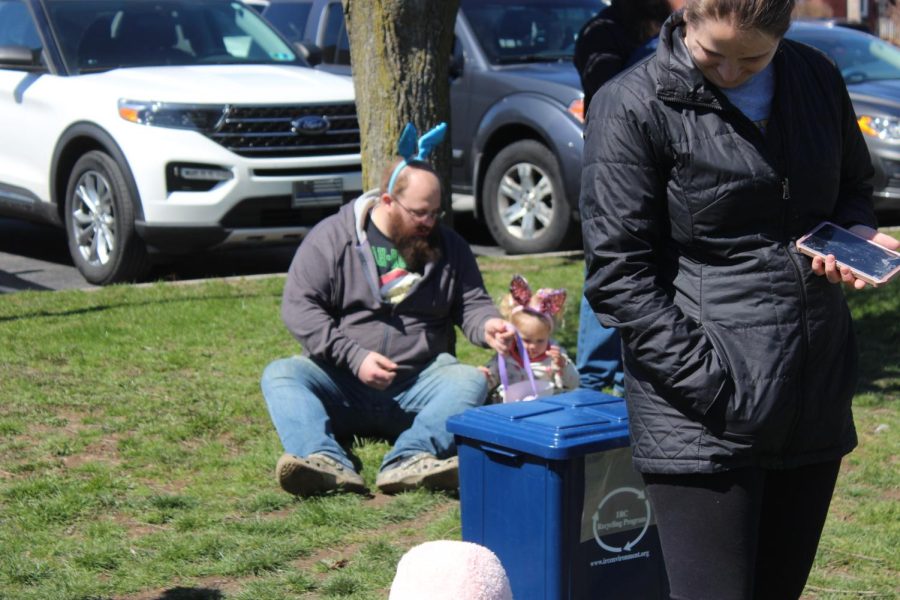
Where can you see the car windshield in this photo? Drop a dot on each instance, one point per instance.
(519, 31)
(97, 35)
(859, 56)
(289, 17)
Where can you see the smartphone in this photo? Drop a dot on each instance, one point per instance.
(870, 262)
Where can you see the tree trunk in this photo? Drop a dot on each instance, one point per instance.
(400, 51)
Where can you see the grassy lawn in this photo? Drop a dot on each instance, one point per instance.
(136, 453)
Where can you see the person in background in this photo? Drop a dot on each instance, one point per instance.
(373, 295)
(534, 315)
(703, 165)
(618, 36)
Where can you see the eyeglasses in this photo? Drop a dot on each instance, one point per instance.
(421, 215)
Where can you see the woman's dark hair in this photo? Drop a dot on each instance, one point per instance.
(642, 17)
(772, 17)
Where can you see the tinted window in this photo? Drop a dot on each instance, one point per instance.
(290, 18)
(104, 34)
(16, 26)
(859, 56)
(528, 30)
(335, 44)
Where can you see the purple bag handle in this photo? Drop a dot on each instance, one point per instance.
(526, 363)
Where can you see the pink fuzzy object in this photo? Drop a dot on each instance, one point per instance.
(449, 570)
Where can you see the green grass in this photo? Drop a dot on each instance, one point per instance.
(136, 453)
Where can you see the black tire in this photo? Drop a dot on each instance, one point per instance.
(524, 202)
(99, 214)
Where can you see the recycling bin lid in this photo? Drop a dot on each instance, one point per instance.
(559, 427)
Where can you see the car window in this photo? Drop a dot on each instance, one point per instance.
(16, 26)
(290, 18)
(335, 43)
(515, 31)
(96, 35)
(859, 56)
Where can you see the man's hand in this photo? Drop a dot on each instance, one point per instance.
(836, 274)
(499, 334)
(377, 371)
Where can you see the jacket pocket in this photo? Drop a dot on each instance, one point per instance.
(740, 319)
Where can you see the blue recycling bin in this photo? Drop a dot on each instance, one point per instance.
(548, 486)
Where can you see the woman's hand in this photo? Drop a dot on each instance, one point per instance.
(836, 274)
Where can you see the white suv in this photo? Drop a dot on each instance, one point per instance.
(166, 125)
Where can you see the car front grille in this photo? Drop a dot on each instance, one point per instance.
(276, 211)
(268, 131)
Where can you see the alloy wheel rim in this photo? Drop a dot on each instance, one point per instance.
(94, 219)
(525, 201)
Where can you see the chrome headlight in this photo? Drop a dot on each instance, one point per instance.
(197, 117)
(884, 128)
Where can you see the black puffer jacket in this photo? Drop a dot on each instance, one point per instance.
(736, 354)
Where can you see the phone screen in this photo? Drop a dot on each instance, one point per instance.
(853, 251)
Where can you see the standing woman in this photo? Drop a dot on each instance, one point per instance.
(703, 165)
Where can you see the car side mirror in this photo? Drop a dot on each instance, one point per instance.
(20, 56)
(310, 52)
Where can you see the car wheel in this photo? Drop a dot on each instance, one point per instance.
(524, 204)
(100, 222)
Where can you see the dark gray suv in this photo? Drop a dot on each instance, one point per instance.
(516, 123)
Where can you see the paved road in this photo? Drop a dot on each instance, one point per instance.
(35, 257)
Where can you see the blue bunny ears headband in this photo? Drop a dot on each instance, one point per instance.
(406, 148)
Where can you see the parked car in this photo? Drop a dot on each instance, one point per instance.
(166, 125)
(871, 70)
(516, 109)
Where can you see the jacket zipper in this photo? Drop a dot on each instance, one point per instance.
(804, 324)
(385, 339)
(804, 300)
(785, 244)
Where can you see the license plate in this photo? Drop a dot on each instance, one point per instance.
(318, 192)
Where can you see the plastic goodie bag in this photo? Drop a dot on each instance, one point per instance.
(522, 390)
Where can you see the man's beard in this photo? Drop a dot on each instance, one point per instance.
(418, 251)
(418, 247)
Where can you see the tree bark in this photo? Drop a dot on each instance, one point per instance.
(400, 52)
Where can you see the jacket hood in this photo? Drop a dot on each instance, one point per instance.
(359, 209)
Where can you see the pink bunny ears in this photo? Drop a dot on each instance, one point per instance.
(546, 301)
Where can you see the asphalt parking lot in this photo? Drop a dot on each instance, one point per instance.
(35, 257)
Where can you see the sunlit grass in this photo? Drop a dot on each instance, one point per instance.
(136, 453)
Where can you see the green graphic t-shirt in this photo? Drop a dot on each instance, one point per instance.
(394, 279)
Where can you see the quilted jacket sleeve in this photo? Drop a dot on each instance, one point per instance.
(623, 197)
(855, 197)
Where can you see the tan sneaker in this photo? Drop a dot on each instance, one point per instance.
(316, 474)
(422, 470)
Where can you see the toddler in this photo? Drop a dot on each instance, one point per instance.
(534, 317)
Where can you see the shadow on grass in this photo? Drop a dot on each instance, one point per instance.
(183, 593)
(875, 319)
(42, 314)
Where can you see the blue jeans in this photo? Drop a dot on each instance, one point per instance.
(599, 354)
(313, 404)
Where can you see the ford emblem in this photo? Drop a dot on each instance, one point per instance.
(310, 125)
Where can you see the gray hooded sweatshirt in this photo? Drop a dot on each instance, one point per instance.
(332, 305)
